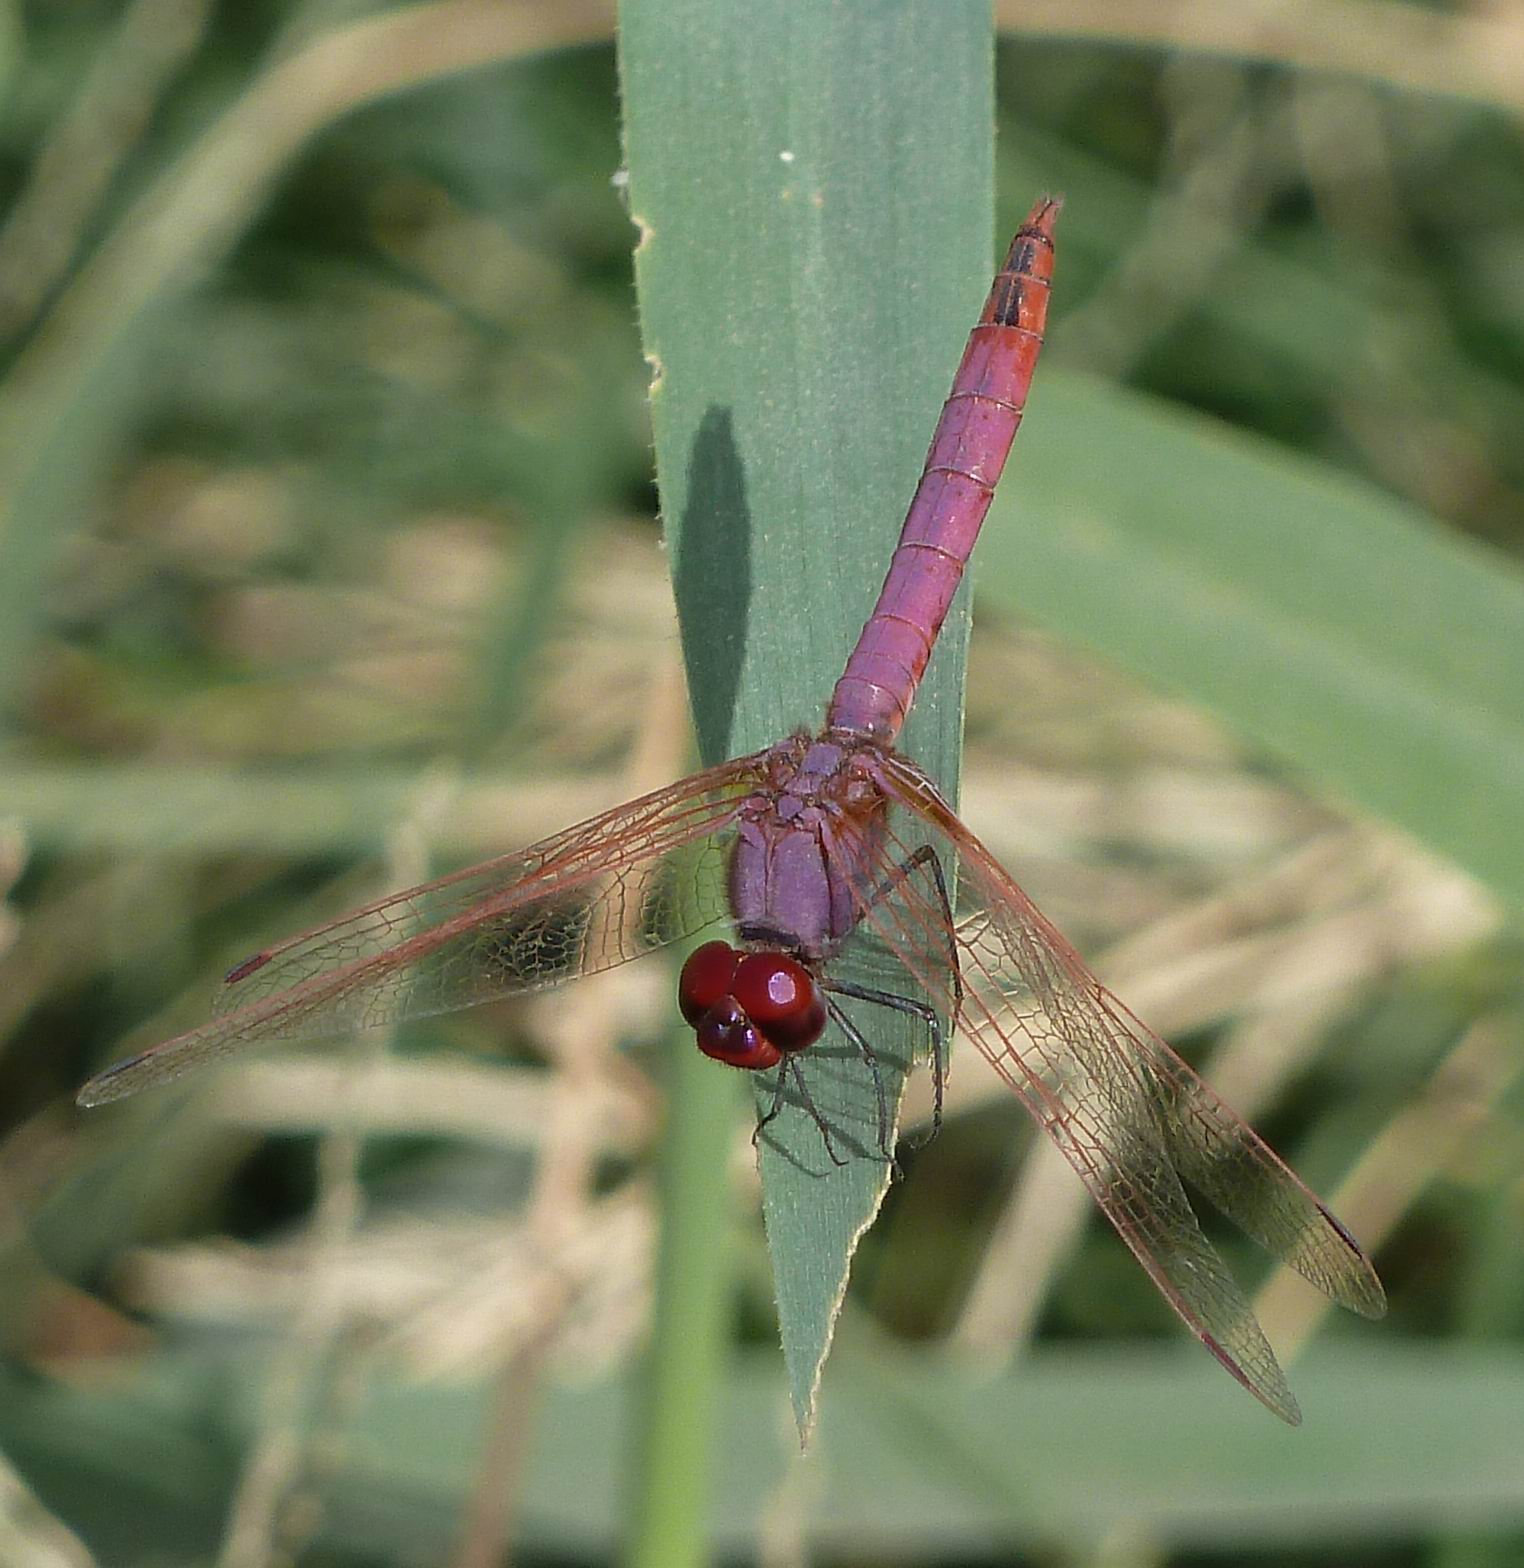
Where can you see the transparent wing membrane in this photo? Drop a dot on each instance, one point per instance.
(590, 898)
(1129, 1115)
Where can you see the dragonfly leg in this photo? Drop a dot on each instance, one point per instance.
(901, 1004)
(775, 1107)
(868, 1054)
(926, 859)
(790, 1064)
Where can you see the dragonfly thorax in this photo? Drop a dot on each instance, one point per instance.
(804, 846)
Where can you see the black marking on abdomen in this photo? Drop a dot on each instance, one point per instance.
(1009, 299)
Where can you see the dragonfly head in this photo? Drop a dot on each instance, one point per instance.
(749, 1009)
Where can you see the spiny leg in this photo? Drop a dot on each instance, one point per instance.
(925, 858)
(868, 1054)
(792, 1063)
(901, 1004)
(787, 1065)
(775, 1107)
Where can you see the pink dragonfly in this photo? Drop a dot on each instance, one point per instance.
(803, 847)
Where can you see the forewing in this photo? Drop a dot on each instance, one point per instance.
(614, 887)
(1130, 1116)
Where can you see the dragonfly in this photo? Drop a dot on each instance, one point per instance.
(803, 847)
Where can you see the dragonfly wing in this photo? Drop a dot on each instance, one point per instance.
(618, 885)
(1130, 1116)
(1223, 1158)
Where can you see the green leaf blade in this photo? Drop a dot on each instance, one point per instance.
(1320, 617)
(814, 196)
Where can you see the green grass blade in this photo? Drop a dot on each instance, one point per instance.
(73, 394)
(813, 188)
(1403, 1442)
(1320, 617)
(686, 1366)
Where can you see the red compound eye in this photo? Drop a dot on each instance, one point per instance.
(729, 1036)
(705, 980)
(748, 1009)
(781, 998)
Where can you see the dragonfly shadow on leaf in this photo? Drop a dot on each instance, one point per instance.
(823, 1118)
(833, 1108)
(711, 578)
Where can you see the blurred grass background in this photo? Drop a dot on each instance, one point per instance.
(329, 559)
